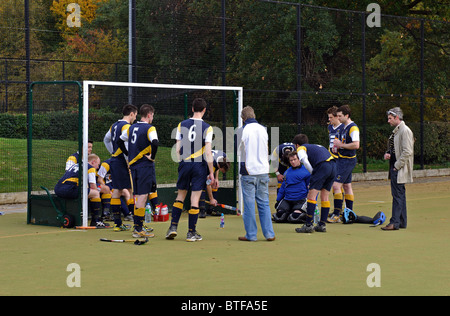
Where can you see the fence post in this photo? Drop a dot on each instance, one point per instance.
(299, 71)
(363, 70)
(422, 99)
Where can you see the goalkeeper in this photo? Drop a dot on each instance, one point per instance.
(292, 194)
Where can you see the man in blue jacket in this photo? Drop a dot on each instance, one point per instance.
(293, 192)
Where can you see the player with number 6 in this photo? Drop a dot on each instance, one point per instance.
(193, 147)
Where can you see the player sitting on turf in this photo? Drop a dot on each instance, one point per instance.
(278, 161)
(67, 187)
(292, 194)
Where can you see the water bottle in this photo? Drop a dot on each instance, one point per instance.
(222, 221)
(208, 182)
(164, 210)
(316, 215)
(148, 213)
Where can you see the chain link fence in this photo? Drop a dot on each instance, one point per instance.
(293, 60)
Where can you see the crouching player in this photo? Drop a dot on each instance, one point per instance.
(220, 163)
(67, 188)
(293, 192)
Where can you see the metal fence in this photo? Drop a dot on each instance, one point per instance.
(293, 60)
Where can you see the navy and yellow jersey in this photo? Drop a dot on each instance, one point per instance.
(334, 132)
(217, 155)
(349, 134)
(312, 155)
(115, 131)
(140, 137)
(193, 135)
(71, 175)
(72, 160)
(104, 171)
(277, 155)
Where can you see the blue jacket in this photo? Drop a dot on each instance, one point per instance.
(295, 184)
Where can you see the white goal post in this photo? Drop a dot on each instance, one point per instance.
(88, 84)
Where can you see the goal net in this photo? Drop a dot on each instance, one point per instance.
(102, 104)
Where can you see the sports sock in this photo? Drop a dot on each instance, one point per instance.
(115, 210)
(131, 206)
(310, 208)
(153, 197)
(106, 201)
(96, 207)
(177, 208)
(193, 217)
(124, 207)
(324, 210)
(138, 218)
(349, 198)
(338, 201)
(202, 201)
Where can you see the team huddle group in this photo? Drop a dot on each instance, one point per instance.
(124, 183)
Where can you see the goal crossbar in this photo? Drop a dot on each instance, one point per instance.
(89, 83)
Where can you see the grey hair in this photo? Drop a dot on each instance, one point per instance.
(396, 112)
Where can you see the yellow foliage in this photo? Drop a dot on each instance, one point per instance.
(88, 11)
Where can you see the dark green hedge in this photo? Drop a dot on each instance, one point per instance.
(64, 125)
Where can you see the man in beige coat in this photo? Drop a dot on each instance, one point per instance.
(401, 156)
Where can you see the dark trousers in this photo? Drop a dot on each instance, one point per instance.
(398, 191)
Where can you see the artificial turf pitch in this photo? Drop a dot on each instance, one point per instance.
(412, 261)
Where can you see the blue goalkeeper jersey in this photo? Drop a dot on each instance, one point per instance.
(295, 184)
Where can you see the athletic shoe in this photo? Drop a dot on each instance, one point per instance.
(142, 234)
(171, 232)
(334, 219)
(128, 218)
(121, 228)
(305, 229)
(320, 228)
(148, 229)
(193, 236)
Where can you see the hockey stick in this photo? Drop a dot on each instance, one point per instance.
(136, 241)
(227, 207)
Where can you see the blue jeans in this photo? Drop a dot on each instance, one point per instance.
(255, 188)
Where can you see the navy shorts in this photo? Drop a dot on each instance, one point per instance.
(323, 176)
(120, 177)
(344, 169)
(144, 178)
(192, 175)
(68, 190)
